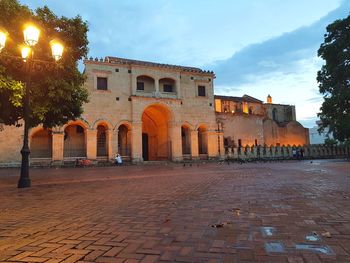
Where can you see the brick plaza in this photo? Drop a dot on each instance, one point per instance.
(259, 212)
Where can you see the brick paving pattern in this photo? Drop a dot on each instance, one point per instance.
(263, 212)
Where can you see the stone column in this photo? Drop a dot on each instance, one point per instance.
(133, 83)
(176, 142)
(194, 145)
(112, 143)
(57, 146)
(178, 87)
(156, 87)
(136, 142)
(212, 144)
(91, 144)
(222, 146)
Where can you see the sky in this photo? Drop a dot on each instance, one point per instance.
(255, 47)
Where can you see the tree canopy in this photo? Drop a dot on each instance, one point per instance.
(56, 91)
(334, 79)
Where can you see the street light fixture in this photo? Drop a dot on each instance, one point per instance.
(31, 35)
(3, 37)
(31, 38)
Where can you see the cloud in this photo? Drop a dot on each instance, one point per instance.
(278, 54)
(284, 67)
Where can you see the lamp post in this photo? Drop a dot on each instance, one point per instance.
(31, 38)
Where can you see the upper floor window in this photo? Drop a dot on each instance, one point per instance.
(166, 85)
(102, 83)
(201, 91)
(140, 85)
(168, 88)
(145, 83)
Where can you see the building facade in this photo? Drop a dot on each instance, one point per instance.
(249, 121)
(145, 111)
(153, 112)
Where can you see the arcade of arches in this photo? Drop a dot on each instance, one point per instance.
(159, 139)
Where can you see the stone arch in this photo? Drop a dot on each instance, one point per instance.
(125, 122)
(102, 121)
(102, 132)
(74, 140)
(124, 139)
(186, 139)
(156, 120)
(202, 139)
(145, 83)
(41, 143)
(81, 122)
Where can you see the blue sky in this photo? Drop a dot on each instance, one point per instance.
(255, 47)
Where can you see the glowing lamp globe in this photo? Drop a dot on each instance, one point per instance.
(3, 37)
(57, 49)
(25, 52)
(31, 35)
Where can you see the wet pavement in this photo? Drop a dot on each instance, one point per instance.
(258, 212)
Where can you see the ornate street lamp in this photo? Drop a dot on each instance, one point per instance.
(31, 38)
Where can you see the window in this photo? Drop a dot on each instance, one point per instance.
(167, 88)
(274, 114)
(201, 91)
(140, 86)
(102, 83)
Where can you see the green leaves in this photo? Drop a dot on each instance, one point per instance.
(56, 92)
(334, 79)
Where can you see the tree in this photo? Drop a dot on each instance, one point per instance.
(57, 93)
(334, 80)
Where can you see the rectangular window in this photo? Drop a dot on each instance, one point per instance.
(102, 83)
(201, 91)
(140, 86)
(167, 88)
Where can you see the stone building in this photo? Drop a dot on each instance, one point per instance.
(151, 111)
(143, 110)
(248, 121)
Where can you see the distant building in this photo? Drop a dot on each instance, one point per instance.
(248, 121)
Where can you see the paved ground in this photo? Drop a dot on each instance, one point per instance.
(273, 212)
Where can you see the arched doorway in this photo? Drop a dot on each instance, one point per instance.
(124, 141)
(155, 133)
(41, 144)
(202, 141)
(102, 145)
(74, 141)
(186, 140)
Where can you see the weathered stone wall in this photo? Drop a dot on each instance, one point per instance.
(291, 133)
(244, 127)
